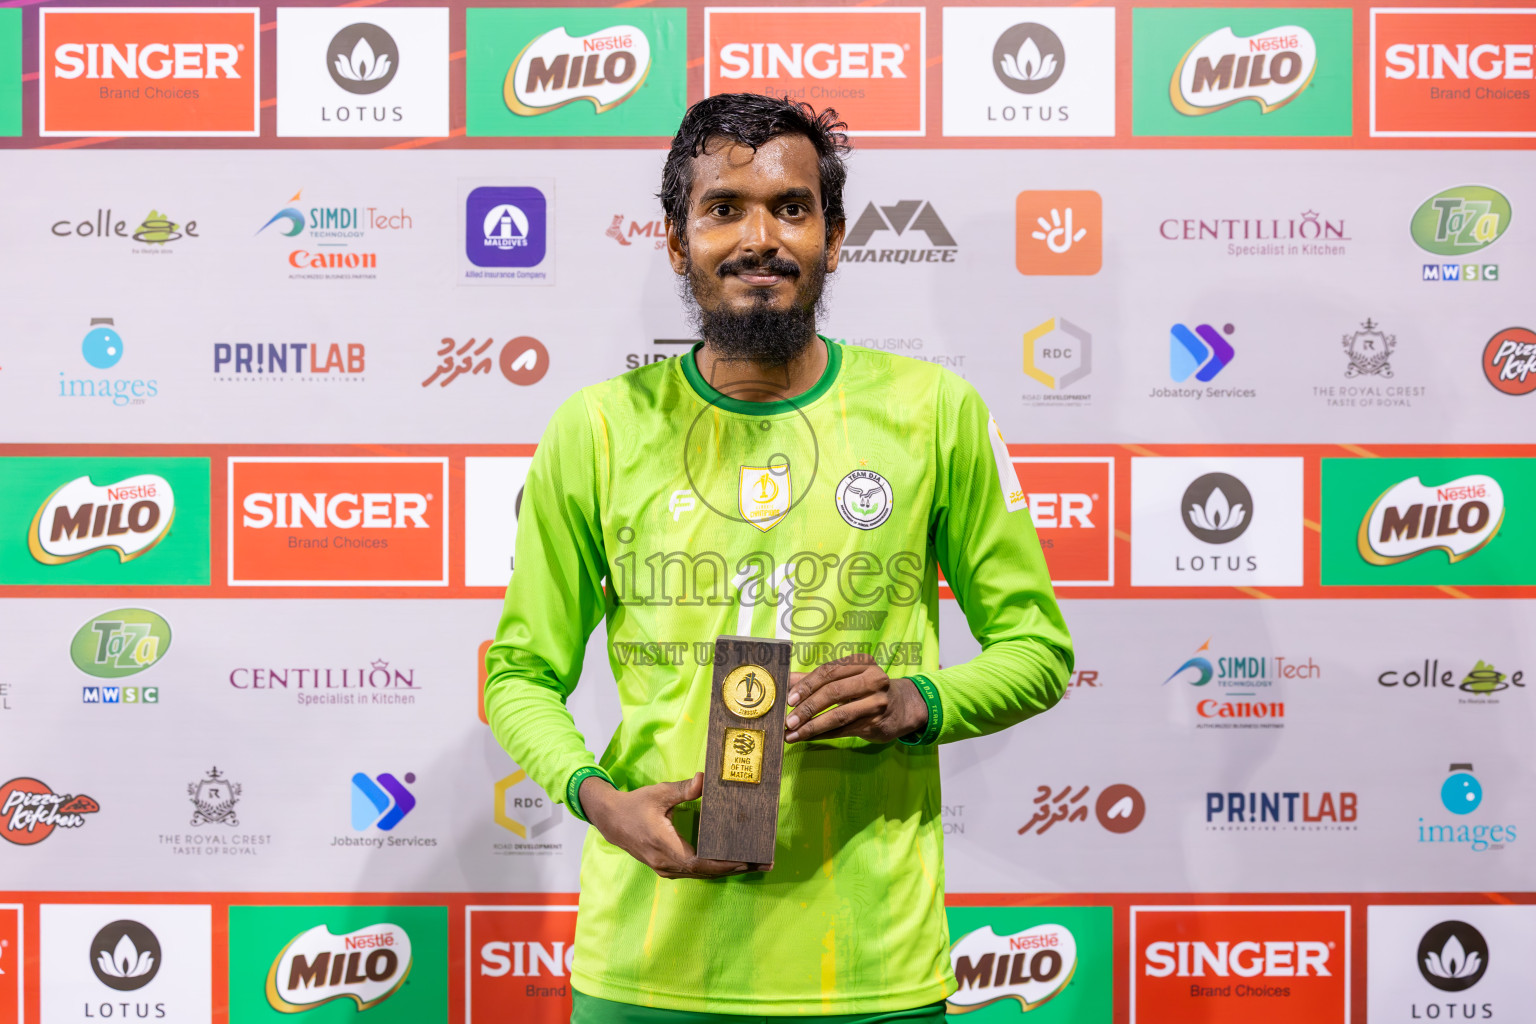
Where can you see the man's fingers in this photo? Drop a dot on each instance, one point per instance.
(843, 720)
(673, 793)
(838, 691)
(824, 673)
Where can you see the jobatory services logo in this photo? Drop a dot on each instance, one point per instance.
(551, 71)
(1242, 71)
(1509, 360)
(1449, 962)
(12, 956)
(133, 961)
(906, 220)
(390, 961)
(1072, 507)
(10, 124)
(382, 72)
(1240, 964)
(869, 63)
(136, 71)
(1239, 691)
(1118, 808)
(102, 348)
(1029, 72)
(506, 233)
(522, 360)
(492, 484)
(1446, 72)
(30, 811)
(326, 522)
(118, 521)
(1057, 354)
(332, 242)
(1054, 963)
(1428, 521)
(380, 802)
(1059, 232)
(1200, 352)
(518, 965)
(1459, 222)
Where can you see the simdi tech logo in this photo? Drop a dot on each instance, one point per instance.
(130, 71)
(1240, 964)
(116, 521)
(518, 963)
(869, 63)
(1242, 71)
(1054, 963)
(575, 71)
(331, 522)
(1452, 72)
(1429, 522)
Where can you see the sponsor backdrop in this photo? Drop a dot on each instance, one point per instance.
(292, 292)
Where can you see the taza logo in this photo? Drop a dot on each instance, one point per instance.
(1030, 966)
(1028, 58)
(125, 956)
(120, 643)
(367, 966)
(1411, 518)
(1453, 956)
(362, 58)
(605, 68)
(129, 517)
(1270, 68)
(1460, 221)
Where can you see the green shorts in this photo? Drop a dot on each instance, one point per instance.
(591, 1010)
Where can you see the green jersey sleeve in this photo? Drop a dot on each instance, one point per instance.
(554, 601)
(991, 557)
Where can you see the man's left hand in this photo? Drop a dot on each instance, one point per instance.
(869, 704)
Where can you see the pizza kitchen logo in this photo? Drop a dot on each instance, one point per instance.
(1410, 518)
(1509, 361)
(130, 517)
(366, 966)
(30, 811)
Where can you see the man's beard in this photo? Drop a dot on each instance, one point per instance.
(759, 334)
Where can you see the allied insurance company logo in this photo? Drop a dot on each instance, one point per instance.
(1059, 232)
(103, 348)
(1450, 72)
(149, 71)
(868, 63)
(316, 967)
(1410, 518)
(30, 811)
(320, 522)
(130, 517)
(1458, 222)
(505, 227)
(519, 963)
(1240, 964)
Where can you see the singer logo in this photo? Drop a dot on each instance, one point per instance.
(1449, 73)
(149, 71)
(868, 63)
(1240, 965)
(519, 964)
(1072, 506)
(338, 522)
(366, 966)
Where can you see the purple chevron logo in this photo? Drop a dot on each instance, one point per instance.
(1202, 352)
(381, 803)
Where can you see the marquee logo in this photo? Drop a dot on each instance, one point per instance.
(1449, 73)
(129, 517)
(906, 219)
(1031, 966)
(1270, 68)
(120, 643)
(518, 965)
(149, 71)
(869, 63)
(367, 966)
(605, 68)
(30, 811)
(1410, 519)
(1509, 361)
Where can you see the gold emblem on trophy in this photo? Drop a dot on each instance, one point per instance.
(748, 691)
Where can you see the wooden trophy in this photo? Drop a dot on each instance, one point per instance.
(739, 816)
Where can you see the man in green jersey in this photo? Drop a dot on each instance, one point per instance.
(771, 482)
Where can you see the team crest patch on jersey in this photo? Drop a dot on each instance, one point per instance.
(864, 499)
(1007, 477)
(764, 495)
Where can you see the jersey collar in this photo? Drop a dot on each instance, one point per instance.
(722, 401)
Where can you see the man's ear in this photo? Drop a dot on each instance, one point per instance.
(677, 248)
(835, 244)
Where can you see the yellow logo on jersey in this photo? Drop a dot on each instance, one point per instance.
(764, 495)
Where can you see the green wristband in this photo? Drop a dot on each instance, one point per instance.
(573, 787)
(930, 695)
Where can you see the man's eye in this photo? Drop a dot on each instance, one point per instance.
(794, 210)
(721, 210)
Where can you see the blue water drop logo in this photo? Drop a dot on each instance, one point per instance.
(1461, 793)
(103, 346)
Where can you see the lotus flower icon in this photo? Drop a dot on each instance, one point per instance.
(1217, 508)
(1028, 58)
(1452, 961)
(362, 58)
(1453, 956)
(126, 961)
(1029, 64)
(1218, 514)
(361, 65)
(125, 955)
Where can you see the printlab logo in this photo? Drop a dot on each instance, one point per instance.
(1059, 233)
(505, 227)
(1509, 361)
(1461, 793)
(1459, 222)
(125, 956)
(102, 348)
(1058, 354)
(362, 59)
(1453, 956)
(213, 799)
(523, 361)
(1119, 808)
(120, 643)
(243, 362)
(30, 811)
(906, 219)
(381, 802)
(1295, 811)
(1217, 508)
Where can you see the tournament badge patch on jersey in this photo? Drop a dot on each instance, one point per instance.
(764, 495)
(864, 499)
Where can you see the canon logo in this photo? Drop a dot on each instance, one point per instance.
(153, 60)
(818, 60)
(344, 511)
(1243, 959)
(1487, 61)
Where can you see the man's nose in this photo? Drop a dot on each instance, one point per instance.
(759, 233)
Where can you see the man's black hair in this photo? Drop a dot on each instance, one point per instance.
(752, 120)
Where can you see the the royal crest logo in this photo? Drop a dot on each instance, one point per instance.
(129, 517)
(864, 499)
(1271, 68)
(30, 811)
(763, 495)
(605, 68)
(367, 966)
(1370, 351)
(1410, 518)
(214, 798)
(1031, 966)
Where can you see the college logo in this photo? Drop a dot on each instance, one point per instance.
(764, 495)
(1059, 232)
(870, 63)
(120, 643)
(1239, 964)
(149, 71)
(909, 215)
(1072, 507)
(125, 956)
(1119, 808)
(505, 227)
(338, 522)
(213, 799)
(1461, 793)
(1241, 71)
(339, 75)
(518, 965)
(1410, 519)
(30, 811)
(1453, 956)
(156, 230)
(367, 966)
(523, 361)
(863, 499)
(1509, 361)
(1451, 73)
(1481, 682)
(381, 802)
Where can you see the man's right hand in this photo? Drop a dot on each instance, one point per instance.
(639, 822)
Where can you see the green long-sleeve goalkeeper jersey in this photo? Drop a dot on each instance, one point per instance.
(680, 514)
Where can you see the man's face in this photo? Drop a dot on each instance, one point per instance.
(756, 241)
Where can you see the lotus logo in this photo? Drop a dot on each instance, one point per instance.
(1028, 58)
(1453, 956)
(362, 58)
(129, 517)
(1411, 518)
(125, 956)
(1217, 508)
(367, 966)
